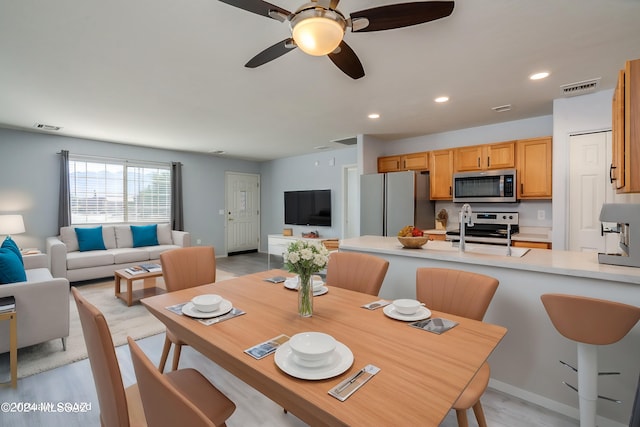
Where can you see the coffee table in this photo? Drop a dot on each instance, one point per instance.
(130, 296)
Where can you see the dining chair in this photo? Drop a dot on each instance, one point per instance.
(590, 322)
(182, 397)
(119, 406)
(356, 271)
(184, 268)
(465, 294)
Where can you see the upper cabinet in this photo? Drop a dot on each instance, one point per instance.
(413, 161)
(485, 157)
(625, 166)
(441, 175)
(534, 168)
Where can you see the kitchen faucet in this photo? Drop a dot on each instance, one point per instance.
(465, 220)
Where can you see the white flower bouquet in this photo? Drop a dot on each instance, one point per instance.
(305, 258)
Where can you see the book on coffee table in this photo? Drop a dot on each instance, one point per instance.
(136, 269)
(7, 304)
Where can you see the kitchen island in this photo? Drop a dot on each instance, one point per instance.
(526, 362)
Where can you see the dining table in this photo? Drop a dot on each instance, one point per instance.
(421, 374)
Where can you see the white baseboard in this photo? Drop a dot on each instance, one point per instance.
(544, 402)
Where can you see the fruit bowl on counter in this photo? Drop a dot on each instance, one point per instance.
(413, 242)
(412, 237)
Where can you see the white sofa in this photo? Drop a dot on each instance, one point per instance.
(66, 260)
(42, 304)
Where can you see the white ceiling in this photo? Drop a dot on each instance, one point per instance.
(170, 73)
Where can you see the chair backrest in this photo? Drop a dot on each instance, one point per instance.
(356, 271)
(104, 364)
(188, 267)
(163, 404)
(461, 293)
(590, 320)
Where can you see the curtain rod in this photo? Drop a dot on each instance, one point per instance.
(118, 159)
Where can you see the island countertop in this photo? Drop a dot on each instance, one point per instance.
(525, 364)
(568, 263)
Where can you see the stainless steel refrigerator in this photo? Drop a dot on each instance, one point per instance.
(390, 201)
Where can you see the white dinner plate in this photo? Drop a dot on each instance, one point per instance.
(422, 313)
(321, 291)
(291, 284)
(191, 311)
(340, 360)
(294, 287)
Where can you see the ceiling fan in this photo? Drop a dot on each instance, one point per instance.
(318, 27)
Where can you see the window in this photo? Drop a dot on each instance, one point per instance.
(117, 191)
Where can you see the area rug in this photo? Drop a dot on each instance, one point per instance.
(123, 321)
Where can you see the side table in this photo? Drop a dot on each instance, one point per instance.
(11, 316)
(130, 296)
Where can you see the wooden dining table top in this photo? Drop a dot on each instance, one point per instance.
(421, 373)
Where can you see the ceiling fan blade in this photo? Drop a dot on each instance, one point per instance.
(402, 15)
(346, 59)
(257, 6)
(271, 53)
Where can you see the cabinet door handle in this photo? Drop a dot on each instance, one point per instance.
(488, 161)
(404, 164)
(478, 161)
(450, 192)
(611, 168)
(521, 188)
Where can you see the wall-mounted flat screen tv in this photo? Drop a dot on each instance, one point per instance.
(310, 207)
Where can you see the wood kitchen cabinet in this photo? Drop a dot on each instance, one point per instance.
(441, 175)
(534, 168)
(533, 245)
(625, 164)
(405, 162)
(485, 157)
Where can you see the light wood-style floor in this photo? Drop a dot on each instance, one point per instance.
(73, 384)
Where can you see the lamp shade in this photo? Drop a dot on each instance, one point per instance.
(317, 36)
(11, 224)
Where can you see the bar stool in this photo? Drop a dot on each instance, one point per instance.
(590, 322)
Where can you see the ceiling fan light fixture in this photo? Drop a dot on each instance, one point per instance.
(318, 31)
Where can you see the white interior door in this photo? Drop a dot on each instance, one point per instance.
(243, 211)
(589, 188)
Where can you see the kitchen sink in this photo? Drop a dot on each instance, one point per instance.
(476, 248)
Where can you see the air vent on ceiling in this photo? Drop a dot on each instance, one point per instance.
(580, 88)
(47, 127)
(347, 141)
(216, 152)
(502, 108)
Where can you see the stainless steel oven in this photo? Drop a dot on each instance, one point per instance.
(495, 186)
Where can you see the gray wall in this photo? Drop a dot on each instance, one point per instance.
(30, 172)
(308, 172)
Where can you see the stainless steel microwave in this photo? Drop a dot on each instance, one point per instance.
(494, 186)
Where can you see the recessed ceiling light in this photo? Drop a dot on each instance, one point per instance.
(374, 116)
(538, 76)
(442, 99)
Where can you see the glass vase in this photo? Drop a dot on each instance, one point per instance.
(305, 295)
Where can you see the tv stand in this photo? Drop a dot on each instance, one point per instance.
(278, 244)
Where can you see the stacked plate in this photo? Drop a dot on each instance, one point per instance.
(318, 286)
(407, 310)
(313, 356)
(207, 306)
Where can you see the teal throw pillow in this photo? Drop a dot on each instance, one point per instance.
(9, 243)
(90, 239)
(144, 235)
(11, 269)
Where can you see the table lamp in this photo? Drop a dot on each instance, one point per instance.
(11, 224)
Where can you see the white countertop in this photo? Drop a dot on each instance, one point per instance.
(580, 264)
